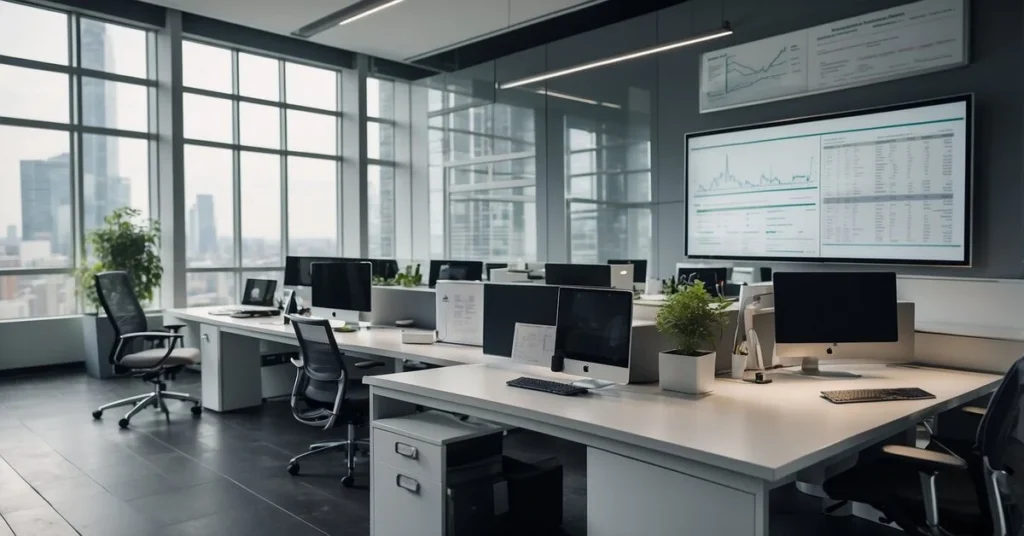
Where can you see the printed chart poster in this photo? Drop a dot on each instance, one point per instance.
(893, 43)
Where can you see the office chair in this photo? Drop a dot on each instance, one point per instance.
(970, 489)
(155, 357)
(324, 393)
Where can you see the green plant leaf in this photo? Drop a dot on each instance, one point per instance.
(128, 243)
(693, 319)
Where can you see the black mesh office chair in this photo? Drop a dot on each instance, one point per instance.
(150, 355)
(324, 393)
(949, 488)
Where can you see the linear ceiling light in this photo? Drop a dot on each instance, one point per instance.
(356, 11)
(726, 30)
(565, 96)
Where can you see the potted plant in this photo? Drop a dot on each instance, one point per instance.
(127, 243)
(693, 320)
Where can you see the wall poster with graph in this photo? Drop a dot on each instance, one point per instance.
(892, 43)
(885, 185)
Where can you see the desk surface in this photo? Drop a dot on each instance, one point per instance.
(766, 431)
(378, 341)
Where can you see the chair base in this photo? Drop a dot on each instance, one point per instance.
(154, 399)
(350, 446)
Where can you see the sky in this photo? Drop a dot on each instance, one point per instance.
(24, 93)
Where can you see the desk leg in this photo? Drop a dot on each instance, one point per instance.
(627, 496)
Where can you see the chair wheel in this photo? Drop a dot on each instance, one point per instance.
(347, 481)
(197, 410)
(97, 414)
(123, 423)
(293, 469)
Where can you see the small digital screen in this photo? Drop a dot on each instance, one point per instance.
(578, 275)
(594, 325)
(259, 292)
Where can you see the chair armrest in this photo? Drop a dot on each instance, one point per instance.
(153, 335)
(174, 328)
(297, 362)
(368, 364)
(974, 410)
(924, 460)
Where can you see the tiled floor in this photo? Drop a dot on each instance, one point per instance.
(225, 474)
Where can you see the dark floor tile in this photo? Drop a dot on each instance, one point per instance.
(41, 521)
(270, 521)
(46, 470)
(153, 484)
(69, 489)
(193, 502)
(93, 509)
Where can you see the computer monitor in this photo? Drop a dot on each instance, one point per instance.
(639, 268)
(578, 275)
(593, 332)
(824, 315)
(341, 289)
(506, 304)
(455, 271)
(710, 276)
(259, 292)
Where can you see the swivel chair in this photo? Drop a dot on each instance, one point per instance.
(950, 488)
(324, 394)
(145, 354)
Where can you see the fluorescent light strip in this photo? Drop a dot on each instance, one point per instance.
(615, 59)
(369, 12)
(550, 93)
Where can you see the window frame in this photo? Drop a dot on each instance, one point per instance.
(77, 130)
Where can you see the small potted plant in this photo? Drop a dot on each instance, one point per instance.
(693, 320)
(127, 243)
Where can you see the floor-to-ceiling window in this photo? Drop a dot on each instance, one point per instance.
(380, 167)
(483, 178)
(262, 166)
(75, 144)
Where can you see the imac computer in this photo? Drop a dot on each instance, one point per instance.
(833, 315)
(639, 268)
(505, 305)
(593, 333)
(455, 271)
(341, 290)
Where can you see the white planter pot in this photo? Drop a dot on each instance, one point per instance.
(692, 375)
(739, 365)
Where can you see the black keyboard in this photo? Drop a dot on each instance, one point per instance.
(850, 396)
(547, 386)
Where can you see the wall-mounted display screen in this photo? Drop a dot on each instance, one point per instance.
(885, 185)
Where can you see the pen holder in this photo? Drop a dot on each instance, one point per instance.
(739, 365)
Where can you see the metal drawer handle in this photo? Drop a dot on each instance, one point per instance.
(206, 337)
(407, 483)
(408, 451)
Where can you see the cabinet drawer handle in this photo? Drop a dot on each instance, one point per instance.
(407, 483)
(408, 451)
(206, 337)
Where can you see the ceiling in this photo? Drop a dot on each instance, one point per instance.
(404, 32)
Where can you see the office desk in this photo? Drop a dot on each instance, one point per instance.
(231, 353)
(668, 464)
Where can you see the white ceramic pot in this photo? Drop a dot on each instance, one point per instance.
(685, 373)
(739, 365)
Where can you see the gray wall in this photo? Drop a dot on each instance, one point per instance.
(659, 96)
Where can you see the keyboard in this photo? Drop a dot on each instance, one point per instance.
(850, 396)
(245, 310)
(547, 386)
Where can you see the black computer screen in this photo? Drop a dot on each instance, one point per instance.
(578, 275)
(831, 307)
(508, 304)
(455, 271)
(341, 285)
(709, 276)
(259, 292)
(594, 325)
(639, 268)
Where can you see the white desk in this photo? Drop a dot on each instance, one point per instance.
(231, 354)
(667, 464)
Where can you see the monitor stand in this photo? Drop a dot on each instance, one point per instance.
(809, 367)
(592, 383)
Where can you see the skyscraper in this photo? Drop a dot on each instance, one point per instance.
(46, 184)
(202, 226)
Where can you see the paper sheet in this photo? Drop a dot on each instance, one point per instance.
(533, 344)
